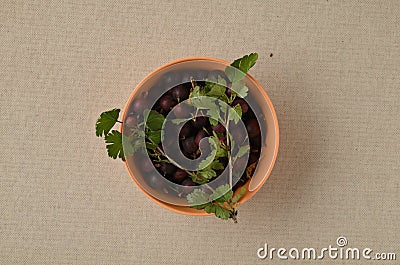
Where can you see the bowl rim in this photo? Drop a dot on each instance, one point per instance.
(249, 194)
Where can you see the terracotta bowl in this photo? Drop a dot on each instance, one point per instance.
(269, 149)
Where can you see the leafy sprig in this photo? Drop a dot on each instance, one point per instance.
(106, 121)
(113, 139)
(242, 65)
(114, 144)
(221, 202)
(133, 142)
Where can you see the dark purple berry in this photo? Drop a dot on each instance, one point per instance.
(188, 185)
(170, 79)
(179, 111)
(139, 105)
(249, 115)
(167, 168)
(179, 175)
(130, 121)
(146, 165)
(219, 128)
(255, 143)
(155, 181)
(180, 92)
(243, 104)
(200, 135)
(186, 130)
(253, 129)
(127, 131)
(189, 145)
(253, 158)
(240, 183)
(200, 122)
(224, 161)
(214, 74)
(222, 140)
(166, 102)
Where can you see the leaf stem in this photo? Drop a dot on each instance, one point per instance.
(228, 151)
(166, 156)
(234, 217)
(232, 209)
(209, 187)
(192, 82)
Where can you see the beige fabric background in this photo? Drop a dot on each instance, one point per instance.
(333, 78)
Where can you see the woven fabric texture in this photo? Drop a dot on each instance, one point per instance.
(331, 69)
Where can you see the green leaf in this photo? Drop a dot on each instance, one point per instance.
(240, 67)
(216, 165)
(208, 166)
(106, 121)
(222, 194)
(114, 144)
(203, 102)
(235, 113)
(216, 92)
(246, 62)
(208, 160)
(179, 121)
(238, 110)
(213, 122)
(239, 88)
(242, 150)
(207, 173)
(146, 113)
(198, 179)
(216, 88)
(222, 213)
(197, 92)
(198, 198)
(211, 81)
(151, 146)
(225, 99)
(200, 206)
(213, 113)
(128, 145)
(155, 120)
(219, 211)
(154, 136)
(234, 74)
(221, 152)
(136, 146)
(239, 195)
(211, 208)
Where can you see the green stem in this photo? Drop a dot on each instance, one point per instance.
(209, 187)
(192, 82)
(230, 203)
(228, 150)
(161, 152)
